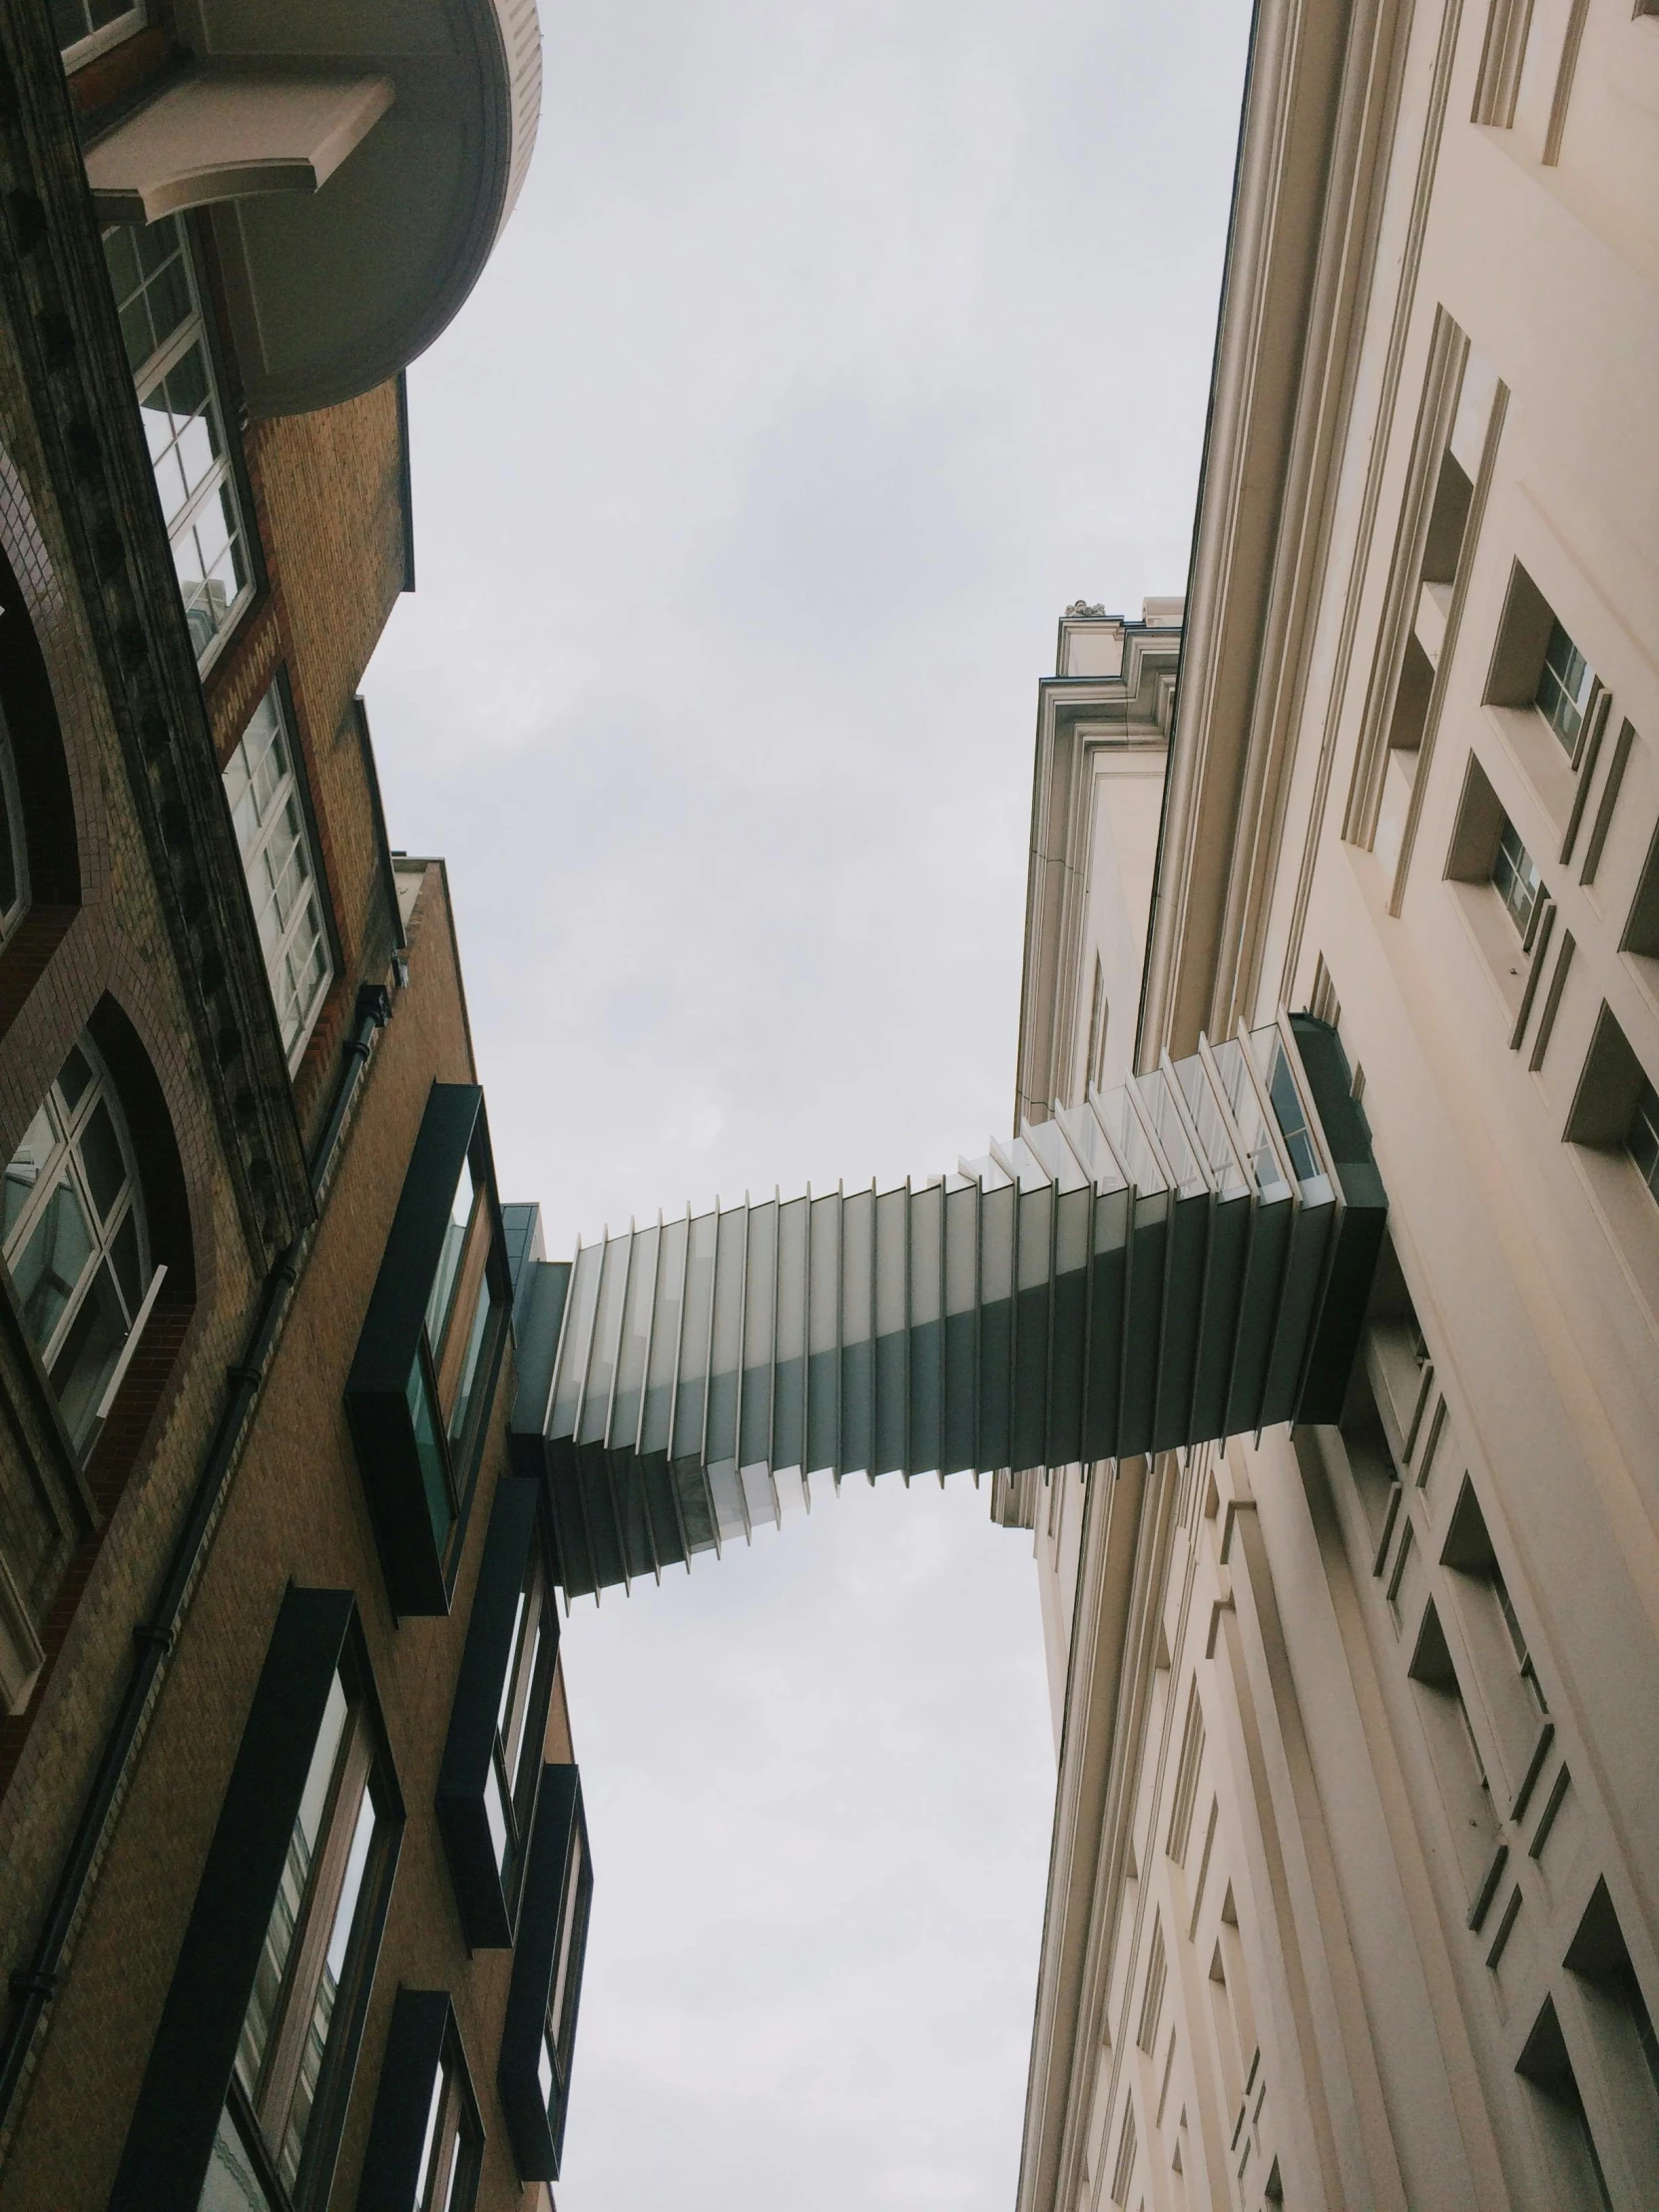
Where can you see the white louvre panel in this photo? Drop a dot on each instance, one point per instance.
(1180, 1260)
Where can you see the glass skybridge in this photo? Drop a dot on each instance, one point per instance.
(1180, 1260)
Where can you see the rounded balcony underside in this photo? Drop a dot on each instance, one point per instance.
(333, 290)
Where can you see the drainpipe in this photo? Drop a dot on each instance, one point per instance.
(34, 1986)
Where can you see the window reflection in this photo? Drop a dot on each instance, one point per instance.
(304, 1964)
(167, 349)
(263, 793)
(75, 1238)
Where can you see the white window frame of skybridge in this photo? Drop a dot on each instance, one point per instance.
(1210, 1123)
(1320, 1187)
(1050, 1146)
(1161, 1104)
(1254, 1119)
(1131, 1142)
(1086, 1134)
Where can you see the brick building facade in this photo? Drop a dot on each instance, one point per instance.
(295, 1874)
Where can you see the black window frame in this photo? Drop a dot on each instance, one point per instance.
(423, 2036)
(420, 1566)
(190, 2077)
(558, 1891)
(487, 1889)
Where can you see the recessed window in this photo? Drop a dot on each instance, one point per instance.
(249, 2074)
(87, 28)
(448, 2173)
(425, 2139)
(1515, 877)
(1641, 1139)
(492, 1760)
(263, 791)
(1569, 2138)
(184, 425)
(1538, 668)
(1565, 685)
(431, 1349)
(539, 2034)
(522, 1714)
(312, 1945)
(76, 1240)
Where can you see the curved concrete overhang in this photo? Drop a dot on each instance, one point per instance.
(340, 271)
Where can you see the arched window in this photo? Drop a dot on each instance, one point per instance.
(76, 1238)
(14, 854)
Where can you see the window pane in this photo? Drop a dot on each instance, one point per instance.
(74, 1078)
(495, 1813)
(561, 2001)
(266, 1998)
(69, 23)
(24, 1168)
(86, 1357)
(327, 1990)
(128, 1262)
(450, 1262)
(281, 878)
(52, 1262)
(422, 2184)
(232, 2183)
(100, 1157)
(1515, 873)
(1641, 1139)
(469, 1366)
(1564, 687)
(434, 1466)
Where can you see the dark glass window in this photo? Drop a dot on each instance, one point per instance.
(156, 297)
(1565, 685)
(1642, 1136)
(308, 1946)
(87, 28)
(538, 2036)
(75, 1237)
(492, 1761)
(425, 2141)
(1516, 881)
(431, 1349)
(245, 2092)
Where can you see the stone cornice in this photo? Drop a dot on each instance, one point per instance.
(1076, 716)
(1322, 88)
(55, 293)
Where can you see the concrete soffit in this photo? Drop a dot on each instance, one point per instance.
(1076, 717)
(1110, 1676)
(1321, 86)
(358, 164)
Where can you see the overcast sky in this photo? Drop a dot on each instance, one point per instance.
(833, 350)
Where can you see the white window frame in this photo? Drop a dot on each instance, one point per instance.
(61, 1162)
(80, 51)
(282, 810)
(218, 479)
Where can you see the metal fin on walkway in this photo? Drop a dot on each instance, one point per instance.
(1178, 1260)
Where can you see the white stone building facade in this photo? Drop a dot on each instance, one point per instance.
(1355, 1889)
